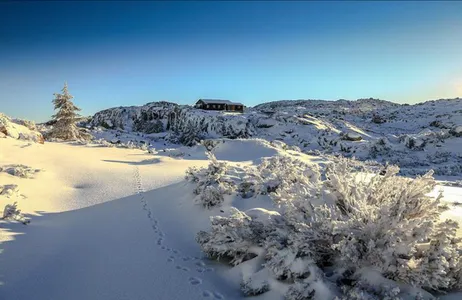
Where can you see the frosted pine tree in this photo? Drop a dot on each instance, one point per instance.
(65, 118)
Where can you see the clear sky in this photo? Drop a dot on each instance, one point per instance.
(131, 53)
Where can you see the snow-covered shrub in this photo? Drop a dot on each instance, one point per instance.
(154, 127)
(347, 223)
(9, 190)
(439, 157)
(271, 173)
(19, 171)
(380, 147)
(211, 144)
(11, 212)
(327, 140)
(237, 238)
(363, 290)
(412, 142)
(453, 169)
(212, 183)
(250, 287)
(378, 119)
(279, 144)
(190, 136)
(380, 221)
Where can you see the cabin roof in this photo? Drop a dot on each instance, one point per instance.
(218, 101)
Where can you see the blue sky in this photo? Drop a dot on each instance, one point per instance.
(131, 53)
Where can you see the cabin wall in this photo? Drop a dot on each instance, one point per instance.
(211, 106)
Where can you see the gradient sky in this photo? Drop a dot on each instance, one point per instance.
(131, 53)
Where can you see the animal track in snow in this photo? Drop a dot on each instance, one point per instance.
(183, 268)
(200, 264)
(217, 295)
(195, 280)
(207, 294)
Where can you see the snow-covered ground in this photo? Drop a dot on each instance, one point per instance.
(107, 223)
(112, 220)
(111, 223)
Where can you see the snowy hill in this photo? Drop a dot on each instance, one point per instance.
(428, 132)
(360, 104)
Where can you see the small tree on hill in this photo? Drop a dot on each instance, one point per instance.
(66, 117)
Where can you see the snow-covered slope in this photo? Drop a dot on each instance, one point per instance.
(416, 137)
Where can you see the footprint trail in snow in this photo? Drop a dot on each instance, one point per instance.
(195, 263)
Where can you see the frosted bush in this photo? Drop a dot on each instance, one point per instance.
(20, 171)
(239, 237)
(272, 172)
(252, 287)
(364, 291)
(211, 144)
(379, 148)
(11, 212)
(190, 135)
(9, 190)
(350, 219)
(212, 183)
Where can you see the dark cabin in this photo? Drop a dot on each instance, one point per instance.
(213, 104)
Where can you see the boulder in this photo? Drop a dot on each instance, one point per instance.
(351, 136)
(456, 131)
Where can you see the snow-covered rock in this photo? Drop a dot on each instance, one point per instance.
(352, 136)
(456, 131)
(8, 127)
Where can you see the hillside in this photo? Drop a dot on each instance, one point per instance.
(416, 137)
